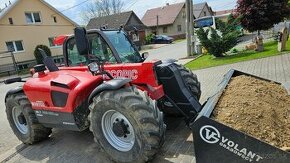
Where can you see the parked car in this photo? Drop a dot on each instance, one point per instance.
(162, 39)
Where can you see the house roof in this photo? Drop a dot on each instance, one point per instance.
(6, 10)
(115, 21)
(166, 15)
(197, 8)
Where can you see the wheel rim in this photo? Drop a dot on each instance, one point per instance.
(118, 130)
(19, 120)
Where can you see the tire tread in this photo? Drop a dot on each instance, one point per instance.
(144, 110)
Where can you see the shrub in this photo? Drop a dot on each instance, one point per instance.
(217, 42)
(38, 55)
(149, 38)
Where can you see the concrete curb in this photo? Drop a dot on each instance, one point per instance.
(185, 61)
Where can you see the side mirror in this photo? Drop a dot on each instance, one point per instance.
(82, 41)
(145, 55)
(48, 61)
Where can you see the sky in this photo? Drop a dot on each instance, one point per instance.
(138, 6)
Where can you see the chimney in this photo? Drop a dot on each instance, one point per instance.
(167, 4)
(9, 2)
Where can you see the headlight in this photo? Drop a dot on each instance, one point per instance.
(93, 67)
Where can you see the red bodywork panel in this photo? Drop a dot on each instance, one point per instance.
(142, 74)
(78, 83)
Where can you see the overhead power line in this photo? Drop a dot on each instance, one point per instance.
(75, 6)
(131, 5)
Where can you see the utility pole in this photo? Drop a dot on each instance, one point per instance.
(157, 24)
(189, 27)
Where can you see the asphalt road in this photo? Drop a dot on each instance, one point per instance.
(178, 50)
(7, 139)
(170, 51)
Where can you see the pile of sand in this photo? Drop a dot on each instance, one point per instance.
(258, 108)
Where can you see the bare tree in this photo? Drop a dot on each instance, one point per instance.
(90, 11)
(99, 8)
(117, 6)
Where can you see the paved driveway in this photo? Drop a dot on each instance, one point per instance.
(275, 68)
(69, 146)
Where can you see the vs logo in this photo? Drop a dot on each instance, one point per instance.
(209, 134)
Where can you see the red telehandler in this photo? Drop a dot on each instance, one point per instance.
(108, 87)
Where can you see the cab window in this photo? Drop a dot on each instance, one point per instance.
(125, 50)
(99, 49)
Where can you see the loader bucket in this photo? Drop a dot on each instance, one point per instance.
(215, 142)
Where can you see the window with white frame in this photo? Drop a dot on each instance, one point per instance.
(51, 42)
(15, 46)
(32, 17)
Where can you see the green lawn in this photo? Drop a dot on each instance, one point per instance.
(210, 61)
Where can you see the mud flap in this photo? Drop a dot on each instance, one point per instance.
(217, 143)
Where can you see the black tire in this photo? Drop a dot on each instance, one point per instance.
(143, 116)
(191, 81)
(35, 131)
